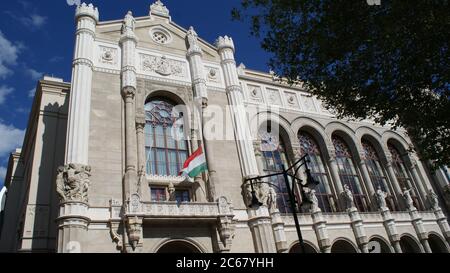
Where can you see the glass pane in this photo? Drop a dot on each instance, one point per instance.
(158, 194)
(182, 196)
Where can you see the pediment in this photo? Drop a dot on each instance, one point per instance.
(157, 34)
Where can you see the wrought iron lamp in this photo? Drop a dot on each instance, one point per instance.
(310, 182)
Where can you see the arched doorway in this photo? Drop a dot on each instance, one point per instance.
(342, 246)
(377, 245)
(408, 245)
(178, 247)
(298, 249)
(436, 244)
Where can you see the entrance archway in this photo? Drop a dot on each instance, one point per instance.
(409, 245)
(436, 244)
(342, 246)
(298, 249)
(178, 246)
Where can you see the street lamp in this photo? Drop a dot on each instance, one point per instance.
(310, 181)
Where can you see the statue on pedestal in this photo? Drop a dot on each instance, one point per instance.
(408, 199)
(348, 197)
(381, 198)
(434, 200)
(129, 23)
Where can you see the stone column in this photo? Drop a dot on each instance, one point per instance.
(443, 223)
(368, 181)
(391, 229)
(80, 93)
(142, 186)
(73, 217)
(394, 182)
(358, 229)
(133, 221)
(278, 231)
(418, 180)
(320, 228)
(128, 43)
(416, 219)
(336, 179)
(194, 56)
(259, 218)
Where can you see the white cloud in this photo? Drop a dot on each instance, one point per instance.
(2, 176)
(9, 53)
(12, 138)
(34, 21)
(31, 92)
(4, 91)
(34, 74)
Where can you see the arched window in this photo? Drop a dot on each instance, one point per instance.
(376, 173)
(274, 156)
(347, 172)
(309, 146)
(165, 146)
(401, 173)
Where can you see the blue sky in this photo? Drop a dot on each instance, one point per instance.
(37, 38)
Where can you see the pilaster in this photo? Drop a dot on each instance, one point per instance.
(320, 228)
(358, 229)
(391, 229)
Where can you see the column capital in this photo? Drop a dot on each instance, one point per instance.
(128, 92)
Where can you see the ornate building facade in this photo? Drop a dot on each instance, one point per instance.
(99, 167)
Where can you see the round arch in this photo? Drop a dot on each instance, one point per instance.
(397, 140)
(318, 136)
(347, 134)
(409, 244)
(164, 94)
(309, 248)
(342, 245)
(179, 246)
(370, 135)
(384, 246)
(437, 244)
(264, 117)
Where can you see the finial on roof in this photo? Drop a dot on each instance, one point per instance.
(159, 8)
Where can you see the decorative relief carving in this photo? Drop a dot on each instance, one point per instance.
(274, 96)
(163, 66)
(72, 182)
(108, 55)
(213, 74)
(291, 99)
(308, 103)
(255, 93)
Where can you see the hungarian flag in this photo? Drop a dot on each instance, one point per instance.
(195, 164)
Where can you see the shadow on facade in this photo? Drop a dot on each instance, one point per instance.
(46, 207)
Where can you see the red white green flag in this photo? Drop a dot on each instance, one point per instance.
(195, 164)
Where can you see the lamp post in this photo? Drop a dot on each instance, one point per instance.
(292, 197)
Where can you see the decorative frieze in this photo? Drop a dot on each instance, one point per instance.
(163, 66)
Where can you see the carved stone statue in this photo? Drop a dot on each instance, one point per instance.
(348, 197)
(408, 199)
(381, 198)
(312, 198)
(72, 182)
(264, 194)
(129, 23)
(171, 190)
(272, 199)
(434, 201)
(192, 41)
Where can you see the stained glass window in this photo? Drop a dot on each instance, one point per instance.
(348, 173)
(309, 146)
(273, 161)
(401, 173)
(375, 170)
(165, 145)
